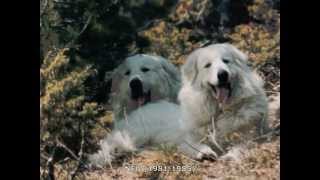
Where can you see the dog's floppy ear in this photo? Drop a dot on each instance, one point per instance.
(237, 54)
(190, 69)
(170, 69)
(108, 80)
(115, 77)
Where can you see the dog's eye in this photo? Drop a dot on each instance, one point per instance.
(144, 69)
(127, 73)
(207, 65)
(226, 61)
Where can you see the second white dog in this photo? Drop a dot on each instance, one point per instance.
(222, 99)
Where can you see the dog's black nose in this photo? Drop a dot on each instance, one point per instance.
(136, 88)
(223, 76)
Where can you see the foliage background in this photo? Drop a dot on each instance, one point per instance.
(82, 41)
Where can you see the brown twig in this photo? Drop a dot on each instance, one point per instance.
(148, 24)
(71, 43)
(272, 92)
(80, 154)
(50, 165)
(44, 7)
(274, 132)
(60, 144)
(63, 160)
(194, 148)
(212, 136)
(202, 9)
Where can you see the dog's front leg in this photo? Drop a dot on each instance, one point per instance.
(117, 143)
(122, 142)
(196, 150)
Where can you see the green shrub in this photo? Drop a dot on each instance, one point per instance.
(66, 117)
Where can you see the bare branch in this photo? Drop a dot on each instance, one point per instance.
(274, 132)
(44, 7)
(60, 144)
(49, 167)
(71, 43)
(194, 148)
(212, 136)
(80, 154)
(148, 24)
(203, 5)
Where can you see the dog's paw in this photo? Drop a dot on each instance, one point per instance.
(101, 158)
(236, 154)
(121, 141)
(206, 152)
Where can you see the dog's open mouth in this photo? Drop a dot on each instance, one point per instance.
(222, 92)
(138, 93)
(143, 98)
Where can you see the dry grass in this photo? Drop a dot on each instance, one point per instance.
(260, 160)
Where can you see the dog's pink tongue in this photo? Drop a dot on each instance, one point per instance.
(140, 101)
(222, 95)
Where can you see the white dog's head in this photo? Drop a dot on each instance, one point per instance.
(216, 68)
(141, 79)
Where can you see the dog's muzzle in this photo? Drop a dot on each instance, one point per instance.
(222, 91)
(137, 92)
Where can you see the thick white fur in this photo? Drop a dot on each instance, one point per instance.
(245, 115)
(151, 124)
(200, 126)
(155, 122)
(163, 79)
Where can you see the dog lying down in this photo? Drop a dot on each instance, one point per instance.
(222, 100)
(151, 124)
(139, 81)
(222, 104)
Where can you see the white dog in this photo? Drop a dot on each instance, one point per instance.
(220, 96)
(152, 124)
(143, 96)
(222, 100)
(141, 79)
